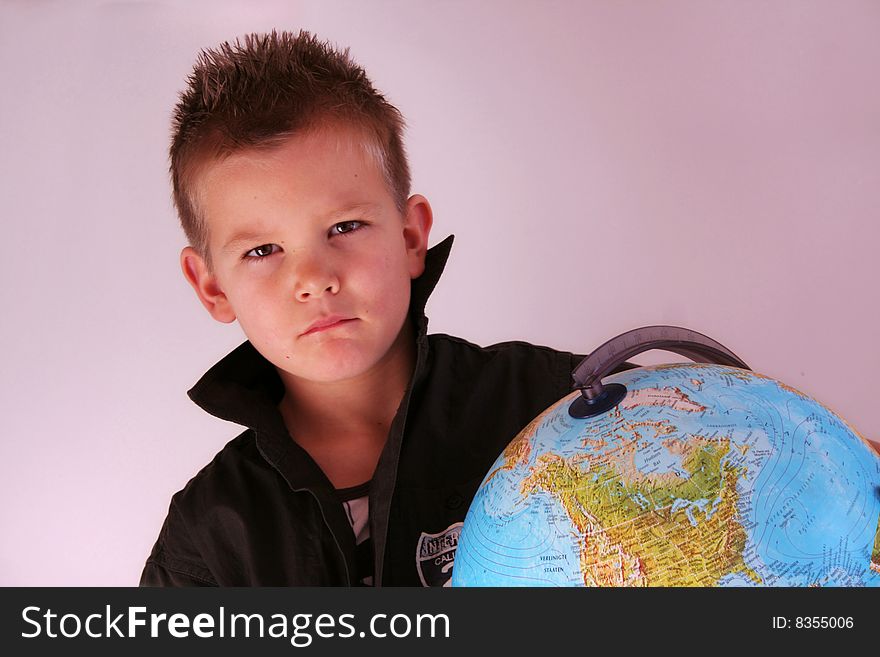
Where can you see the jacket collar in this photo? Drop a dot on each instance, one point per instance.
(245, 388)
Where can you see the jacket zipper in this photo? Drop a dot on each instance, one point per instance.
(379, 559)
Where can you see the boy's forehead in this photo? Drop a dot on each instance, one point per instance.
(325, 171)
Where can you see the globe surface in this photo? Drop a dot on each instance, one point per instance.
(703, 475)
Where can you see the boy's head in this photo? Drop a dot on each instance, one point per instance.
(291, 183)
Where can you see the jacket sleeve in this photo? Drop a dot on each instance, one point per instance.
(175, 559)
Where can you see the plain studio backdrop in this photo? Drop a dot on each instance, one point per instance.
(603, 165)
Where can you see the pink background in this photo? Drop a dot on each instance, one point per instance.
(714, 165)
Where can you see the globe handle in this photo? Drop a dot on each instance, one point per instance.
(597, 398)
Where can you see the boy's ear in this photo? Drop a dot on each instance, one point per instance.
(206, 285)
(417, 227)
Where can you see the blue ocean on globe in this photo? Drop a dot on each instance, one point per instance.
(704, 475)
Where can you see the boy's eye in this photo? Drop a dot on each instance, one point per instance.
(262, 251)
(344, 227)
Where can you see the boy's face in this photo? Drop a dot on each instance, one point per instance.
(304, 234)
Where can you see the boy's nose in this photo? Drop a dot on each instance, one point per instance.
(313, 279)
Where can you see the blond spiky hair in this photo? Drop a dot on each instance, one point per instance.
(261, 89)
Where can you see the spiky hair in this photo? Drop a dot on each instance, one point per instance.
(261, 89)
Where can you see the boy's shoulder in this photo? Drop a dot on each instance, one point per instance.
(512, 374)
(511, 355)
(511, 347)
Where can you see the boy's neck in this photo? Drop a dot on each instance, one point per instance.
(318, 413)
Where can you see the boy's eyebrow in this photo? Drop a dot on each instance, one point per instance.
(238, 239)
(249, 237)
(355, 207)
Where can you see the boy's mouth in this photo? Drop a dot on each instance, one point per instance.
(325, 323)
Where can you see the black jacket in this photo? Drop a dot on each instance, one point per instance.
(262, 513)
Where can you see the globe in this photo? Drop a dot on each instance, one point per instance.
(701, 475)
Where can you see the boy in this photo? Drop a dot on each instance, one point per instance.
(365, 438)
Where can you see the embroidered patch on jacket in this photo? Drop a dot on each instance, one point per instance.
(435, 555)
